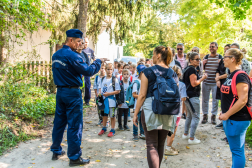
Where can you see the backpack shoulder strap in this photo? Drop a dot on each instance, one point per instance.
(233, 86)
(233, 83)
(170, 72)
(113, 82)
(220, 57)
(103, 78)
(138, 84)
(185, 55)
(120, 77)
(155, 70)
(206, 57)
(96, 79)
(131, 79)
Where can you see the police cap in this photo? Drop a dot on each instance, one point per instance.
(74, 33)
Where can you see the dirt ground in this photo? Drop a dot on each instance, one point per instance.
(120, 151)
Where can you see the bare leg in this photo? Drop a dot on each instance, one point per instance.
(171, 138)
(113, 120)
(105, 119)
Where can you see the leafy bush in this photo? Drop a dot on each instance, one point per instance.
(21, 98)
(249, 135)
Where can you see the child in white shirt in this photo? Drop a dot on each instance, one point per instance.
(108, 88)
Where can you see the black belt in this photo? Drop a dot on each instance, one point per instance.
(70, 87)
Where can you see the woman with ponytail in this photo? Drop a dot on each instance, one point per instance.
(235, 116)
(156, 127)
(192, 81)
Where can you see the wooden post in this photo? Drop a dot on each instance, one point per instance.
(24, 71)
(41, 76)
(37, 73)
(33, 69)
(28, 68)
(46, 81)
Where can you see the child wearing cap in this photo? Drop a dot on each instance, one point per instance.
(108, 88)
(135, 92)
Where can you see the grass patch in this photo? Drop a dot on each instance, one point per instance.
(9, 139)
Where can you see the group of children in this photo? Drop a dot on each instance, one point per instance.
(112, 84)
(111, 87)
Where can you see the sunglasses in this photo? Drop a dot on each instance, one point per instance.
(228, 56)
(198, 59)
(194, 50)
(212, 47)
(179, 49)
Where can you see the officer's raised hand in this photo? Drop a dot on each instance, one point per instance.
(104, 59)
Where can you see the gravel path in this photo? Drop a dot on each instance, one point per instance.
(120, 151)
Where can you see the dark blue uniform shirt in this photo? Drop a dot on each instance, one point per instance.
(68, 67)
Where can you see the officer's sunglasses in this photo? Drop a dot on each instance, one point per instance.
(179, 49)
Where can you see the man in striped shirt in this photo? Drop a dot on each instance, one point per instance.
(210, 64)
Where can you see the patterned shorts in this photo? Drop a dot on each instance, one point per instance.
(112, 112)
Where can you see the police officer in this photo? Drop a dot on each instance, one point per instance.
(68, 68)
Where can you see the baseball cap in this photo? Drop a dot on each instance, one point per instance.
(140, 68)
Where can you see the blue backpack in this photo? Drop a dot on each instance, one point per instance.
(130, 100)
(166, 99)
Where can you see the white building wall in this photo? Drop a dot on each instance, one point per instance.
(33, 49)
(104, 49)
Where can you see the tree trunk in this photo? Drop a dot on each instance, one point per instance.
(1, 47)
(82, 18)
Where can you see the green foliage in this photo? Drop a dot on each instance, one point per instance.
(238, 7)
(17, 18)
(9, 139)
(20, 98)
(152, 33)
(249, 135)
(205, 22)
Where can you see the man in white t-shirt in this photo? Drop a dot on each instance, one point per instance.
(108, 91)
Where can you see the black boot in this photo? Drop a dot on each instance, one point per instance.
(120, 128)
(78, 162)
(205, 118)
(213, 119)
(56, 156)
